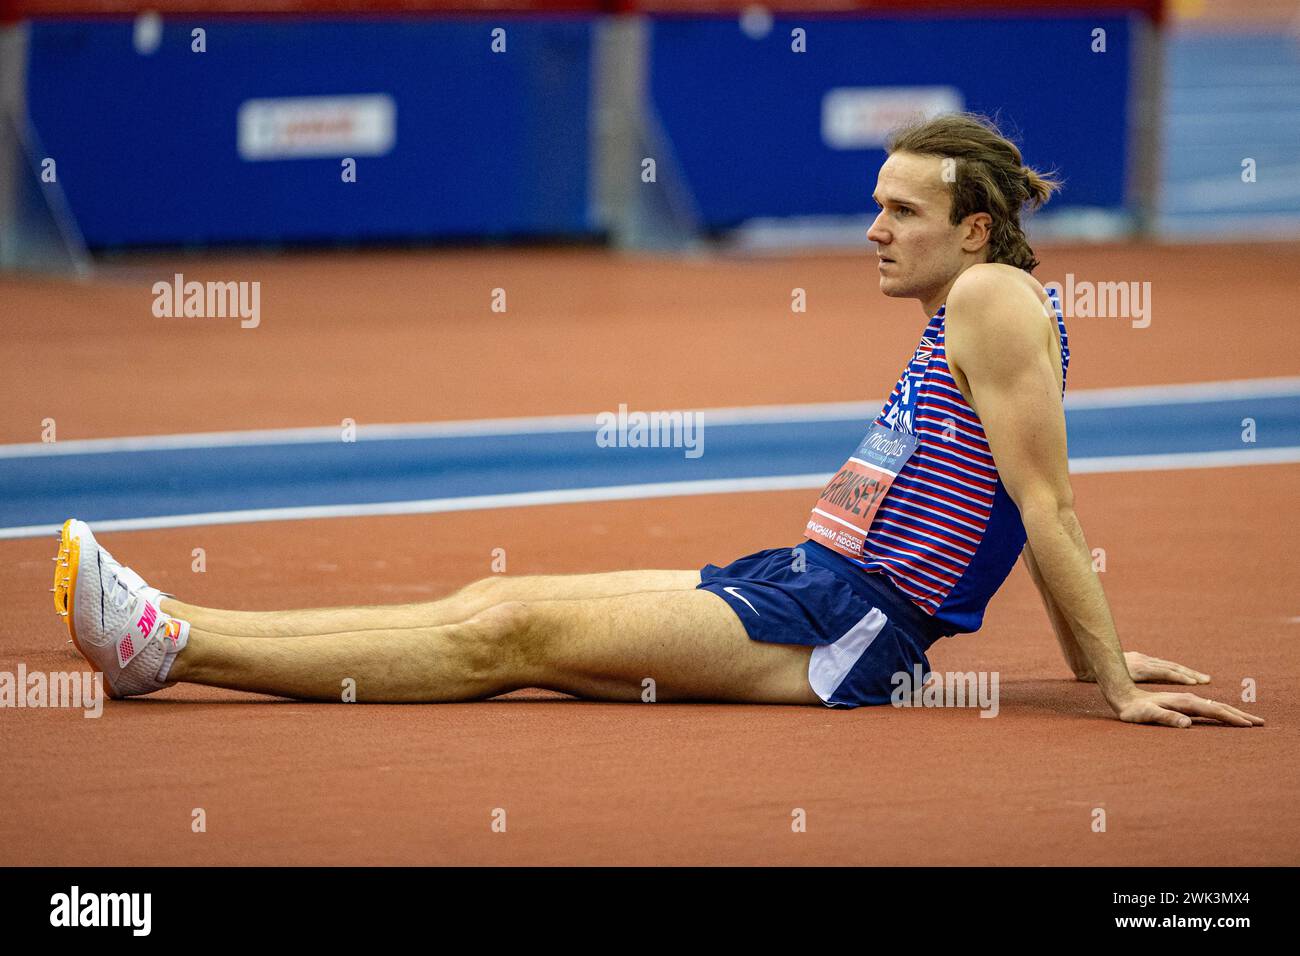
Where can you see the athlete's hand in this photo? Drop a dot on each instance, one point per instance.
(1156, 670)
(1177, 710)
(1144, 668)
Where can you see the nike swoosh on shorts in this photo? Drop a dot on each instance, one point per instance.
(736, 594)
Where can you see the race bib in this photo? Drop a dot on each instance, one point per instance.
(849, 503)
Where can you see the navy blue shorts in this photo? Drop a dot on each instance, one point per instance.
(862, 628)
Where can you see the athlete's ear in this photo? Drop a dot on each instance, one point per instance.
(975, 231)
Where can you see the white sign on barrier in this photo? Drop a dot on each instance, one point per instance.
(316, 126)
(861, 117)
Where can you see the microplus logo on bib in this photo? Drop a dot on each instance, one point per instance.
(886, 446)
(103, 909)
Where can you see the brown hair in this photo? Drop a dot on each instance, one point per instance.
(990, 177)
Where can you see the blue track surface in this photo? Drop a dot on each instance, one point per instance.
(44, 489)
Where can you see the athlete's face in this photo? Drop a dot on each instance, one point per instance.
(920, 252)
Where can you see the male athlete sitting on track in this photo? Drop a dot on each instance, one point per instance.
(907, 543)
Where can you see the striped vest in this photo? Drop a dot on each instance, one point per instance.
(947, 534)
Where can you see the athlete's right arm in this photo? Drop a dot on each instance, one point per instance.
(1074, 655)
(995, 338)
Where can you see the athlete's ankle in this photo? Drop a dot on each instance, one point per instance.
(175, 637)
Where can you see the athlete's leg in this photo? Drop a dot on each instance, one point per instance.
(689, 642)
(464, 604)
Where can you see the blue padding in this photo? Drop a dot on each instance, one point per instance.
(743, 116)
(487, 145)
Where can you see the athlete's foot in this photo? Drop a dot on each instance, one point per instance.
(114, 618)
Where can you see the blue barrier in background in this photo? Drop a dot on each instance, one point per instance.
(744, 115)
(498, 145)
(1228, 99)
(485, 144)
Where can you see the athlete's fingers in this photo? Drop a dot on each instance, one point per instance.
(1169, 718)
(1213, 710)
(1149, 711)
(1193, 676)
(1163, 672)
(1157, 668)
(1251, 719)
(1173, 673)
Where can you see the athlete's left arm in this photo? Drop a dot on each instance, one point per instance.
(999, 341)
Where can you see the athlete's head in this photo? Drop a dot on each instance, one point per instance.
(950, 195)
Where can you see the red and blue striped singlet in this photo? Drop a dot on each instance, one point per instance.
(947, 534)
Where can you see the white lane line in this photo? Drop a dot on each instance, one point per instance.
(1178, 461)
(1183, 394)
(664, 489)
(476, 427)
(1193, 392)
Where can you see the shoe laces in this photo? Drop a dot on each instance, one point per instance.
(121, 591)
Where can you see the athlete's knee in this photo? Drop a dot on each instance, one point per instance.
(504, 638)
(485, 591)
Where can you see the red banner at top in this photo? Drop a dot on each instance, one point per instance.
(18, 9)
(1151, 8)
